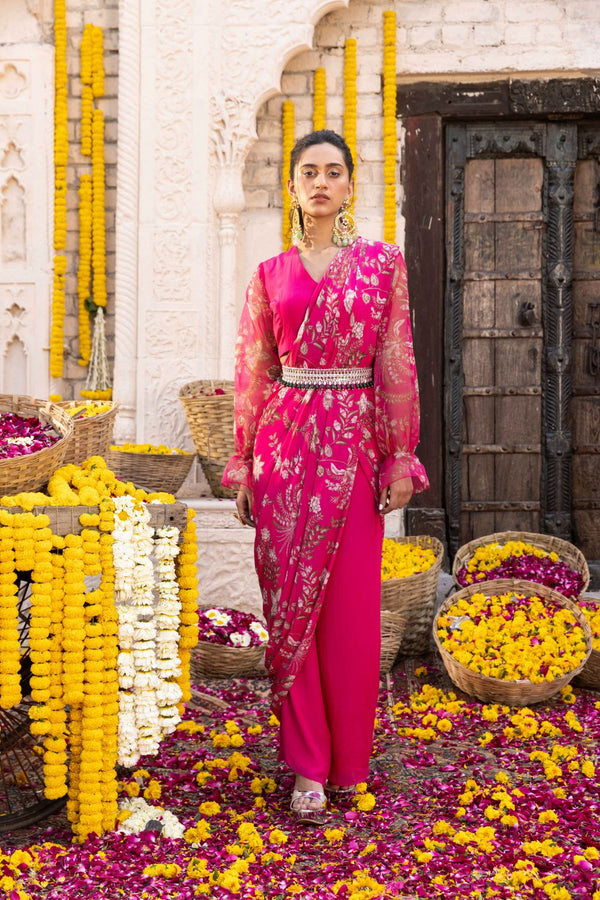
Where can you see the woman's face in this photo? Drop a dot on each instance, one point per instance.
(321, 181)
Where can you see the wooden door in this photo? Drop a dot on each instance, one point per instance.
(585, 400)
(507, 328)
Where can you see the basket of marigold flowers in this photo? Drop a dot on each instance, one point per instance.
(589, 677)
(510, 641)
(542, 558)
(154, 467)
(231, 642)
(410, 567)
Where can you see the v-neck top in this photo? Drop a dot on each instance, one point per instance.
(289, 287)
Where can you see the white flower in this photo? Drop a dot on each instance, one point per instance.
(240, 639)
(260, 631)
(217, 617)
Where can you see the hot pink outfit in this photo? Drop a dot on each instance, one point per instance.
(316, 459)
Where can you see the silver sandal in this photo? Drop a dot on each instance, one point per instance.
(306, 816)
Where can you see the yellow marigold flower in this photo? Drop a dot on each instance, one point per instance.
(200, 832)
(153, 791)
(588, 768)
(422, 856)
(334, 835)
(276, 836)
(273, 720)
(209, 808)
(460, 812)
(255, 729)
(365, 802)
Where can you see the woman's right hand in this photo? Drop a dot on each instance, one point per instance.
(243, 502)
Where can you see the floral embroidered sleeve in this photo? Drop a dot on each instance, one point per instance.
(396, 389)
(257, 366)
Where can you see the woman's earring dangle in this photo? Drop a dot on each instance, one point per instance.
(344, 226)
(296, 223)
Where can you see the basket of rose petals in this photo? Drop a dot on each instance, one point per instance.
(410, 567)
(34, 438)
(510, 641)
(231, 642)
(589, 677)
(542, 558)
(93, 424)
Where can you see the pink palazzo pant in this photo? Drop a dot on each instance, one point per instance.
(327, 718)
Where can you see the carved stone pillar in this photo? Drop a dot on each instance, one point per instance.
(233, 133)
(228, 202)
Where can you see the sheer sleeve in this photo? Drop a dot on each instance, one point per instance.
(396, 389)
(256, 368)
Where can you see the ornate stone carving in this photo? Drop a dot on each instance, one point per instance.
(13, 223)
(13, 81)
(555, 95)
(25, 208)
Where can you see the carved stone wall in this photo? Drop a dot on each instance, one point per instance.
(25, 209)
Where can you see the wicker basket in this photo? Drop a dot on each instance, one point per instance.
(152, 471)
(589, 677)
(568, 553)
(32, 472)
(393, 626)
(217, 661)
(414, 597)
(92, 435)
(495, 690)
(210, 419)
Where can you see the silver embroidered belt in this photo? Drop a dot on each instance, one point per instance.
(326, 378)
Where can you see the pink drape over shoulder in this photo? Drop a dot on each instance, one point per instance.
(298, 449)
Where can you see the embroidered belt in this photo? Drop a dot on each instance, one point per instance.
(326, 378)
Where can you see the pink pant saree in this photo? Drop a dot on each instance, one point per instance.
(299, 449)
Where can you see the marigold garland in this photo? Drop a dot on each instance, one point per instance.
(287, 124)
(98, 209)
(84, 270)
(187, 577)
(10, 654)
(61, 155)
(73, 635)
(319, 116)
(389, 125)
(350, 101)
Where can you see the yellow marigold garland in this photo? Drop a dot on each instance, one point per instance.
(319, 117)
(187, 577)
(74, 641)
(85, 264)
(287, 124)
(98, 209)
(10, 652)
(110, 696)
(389, 125)
(87, 94)
(61, 155)
(350, 102)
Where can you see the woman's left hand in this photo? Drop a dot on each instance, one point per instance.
(396, 495)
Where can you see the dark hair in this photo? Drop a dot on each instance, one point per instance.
(325, 136)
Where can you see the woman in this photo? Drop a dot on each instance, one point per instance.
(326, 424)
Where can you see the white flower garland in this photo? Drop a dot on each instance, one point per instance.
(148, 631)
(168, 609)
(143, 813)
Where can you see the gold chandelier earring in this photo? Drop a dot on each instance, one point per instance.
(296, 223)
(344, 226)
